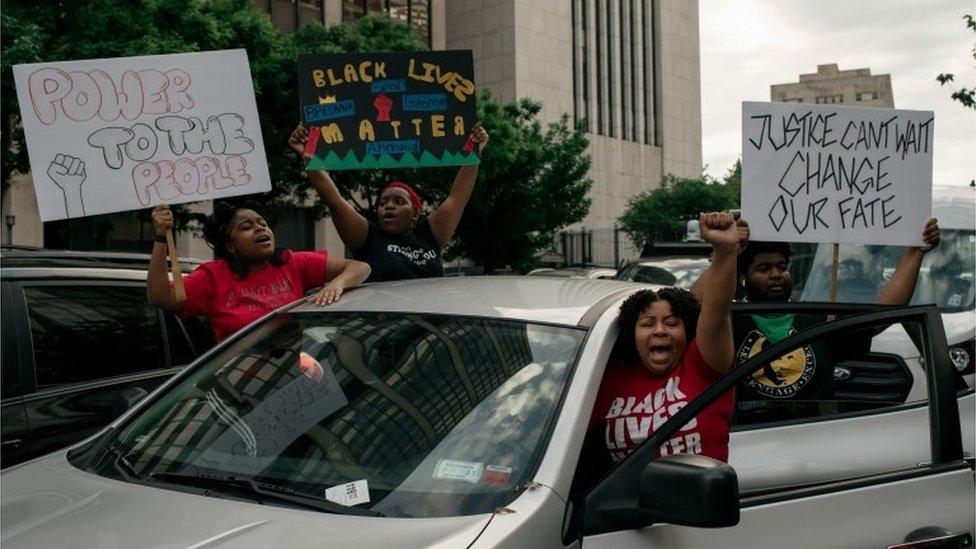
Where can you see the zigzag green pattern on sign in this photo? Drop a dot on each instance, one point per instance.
(332, 161)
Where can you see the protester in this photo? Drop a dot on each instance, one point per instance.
(805, 373)
(676, 348)
(402, 244)
(250, 276)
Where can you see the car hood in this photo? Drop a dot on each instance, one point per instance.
(50, 503)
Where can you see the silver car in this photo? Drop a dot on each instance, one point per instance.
(455, 413)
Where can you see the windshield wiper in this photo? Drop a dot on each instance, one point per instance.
(266, 490)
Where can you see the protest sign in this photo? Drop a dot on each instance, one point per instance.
(388, 110)
(813, 173)
(108, 135)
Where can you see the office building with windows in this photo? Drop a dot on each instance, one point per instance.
(853, 87)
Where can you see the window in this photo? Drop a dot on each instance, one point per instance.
(415, 13)
(840, 373)
(617, 33)
(188, 338)
(87, 332)
(442, 415)
(866, 96)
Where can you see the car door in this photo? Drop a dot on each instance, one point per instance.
(14, 430)
(97, 347)
(875, 477)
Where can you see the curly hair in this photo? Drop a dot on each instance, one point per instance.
(216, 232)
(755, 248)
(682, 302)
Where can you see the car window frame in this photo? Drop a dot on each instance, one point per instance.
(30, 387)
(945, 448)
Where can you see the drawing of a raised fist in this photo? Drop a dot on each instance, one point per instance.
(68, 173)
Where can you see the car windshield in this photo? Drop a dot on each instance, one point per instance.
(945, 278)
(666, 272)
(432, 415)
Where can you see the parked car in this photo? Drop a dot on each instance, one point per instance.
(681, 272)
(575, 272)
(81, 344)
(453, 413)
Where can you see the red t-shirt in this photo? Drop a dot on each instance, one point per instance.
(632, 403)
(231, 303)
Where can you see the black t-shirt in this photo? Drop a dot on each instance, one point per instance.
(415, 255)
(805, 373)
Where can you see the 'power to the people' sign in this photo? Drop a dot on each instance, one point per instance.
(388, 110)
(108, 135)
(813, 173)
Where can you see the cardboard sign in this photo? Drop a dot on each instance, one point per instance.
(388, 110)
(817, 173)
(109, 135)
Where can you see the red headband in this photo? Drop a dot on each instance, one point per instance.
(415, 199)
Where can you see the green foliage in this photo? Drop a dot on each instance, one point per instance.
(963, 95)
(662, 214)
(733, 184)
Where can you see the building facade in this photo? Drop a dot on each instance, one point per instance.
(853, 87)
(627, 70)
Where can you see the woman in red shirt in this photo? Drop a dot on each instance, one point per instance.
(676, 350)
(250, 276)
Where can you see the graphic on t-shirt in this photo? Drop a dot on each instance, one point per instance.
(419, 256)
(780, 378)
(630, 421)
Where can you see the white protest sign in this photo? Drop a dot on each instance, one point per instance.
(109, 135)
(817, 173)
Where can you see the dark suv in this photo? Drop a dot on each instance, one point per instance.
(81, 344)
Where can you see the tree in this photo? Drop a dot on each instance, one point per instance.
(963, 95)
(733, 184)
(663, 213)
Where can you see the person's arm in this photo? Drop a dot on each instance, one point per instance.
(899, 290)
(341, 274)
(742, 229)
(714, 334)
(158, 289)
(446, 217)
(351, 226)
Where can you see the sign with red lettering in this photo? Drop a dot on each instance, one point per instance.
(829, 173)
(109, 135)
(388, 110)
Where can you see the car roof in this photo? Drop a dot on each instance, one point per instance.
(71, 273)
(954, 207)
(23, 256)
(551, 300)
(669, 260)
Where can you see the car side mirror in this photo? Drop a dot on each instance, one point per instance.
(690, 490)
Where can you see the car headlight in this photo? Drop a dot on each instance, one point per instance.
(962, 356)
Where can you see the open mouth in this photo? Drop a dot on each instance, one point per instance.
(660, 353)
(388, 216)
(263, 239)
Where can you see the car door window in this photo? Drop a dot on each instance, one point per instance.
(843, 372)
(88, 332)
(188, 338)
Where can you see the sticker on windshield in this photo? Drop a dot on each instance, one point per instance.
(310, 367)
(496, 475)
(349, 494)
(467, 471)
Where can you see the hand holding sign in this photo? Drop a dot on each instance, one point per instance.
(68, 173)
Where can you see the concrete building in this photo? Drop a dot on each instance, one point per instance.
(854, 87)
(626, 69)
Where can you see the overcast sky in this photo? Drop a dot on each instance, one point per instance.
(747, 45)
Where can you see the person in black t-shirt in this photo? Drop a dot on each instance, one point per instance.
(402, 244)
(804, 373)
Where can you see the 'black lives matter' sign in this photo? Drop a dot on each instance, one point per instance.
(388, 110)
(813, 173)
